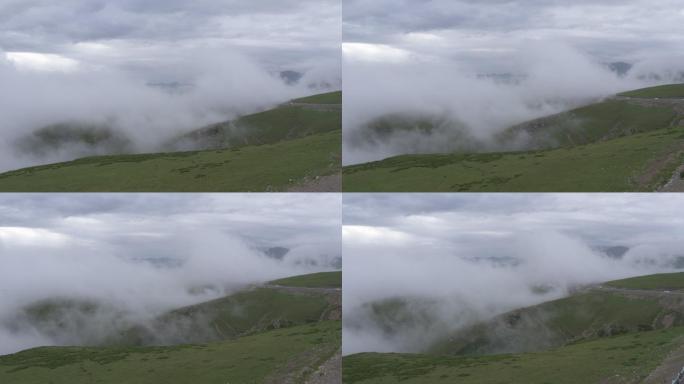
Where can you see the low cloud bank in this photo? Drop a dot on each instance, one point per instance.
(202, 88)
(469, 105)
(86, 272)
(451, 262)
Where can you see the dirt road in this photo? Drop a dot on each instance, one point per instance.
(670, 368)
(676, 104)
(675, 184)
(330, 372)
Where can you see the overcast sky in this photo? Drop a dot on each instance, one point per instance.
(481, 31)
(144, 35)
(160, 220)
(470, 257)
(601, 219)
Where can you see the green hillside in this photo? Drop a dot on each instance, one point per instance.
(593, 123)
(588, 315)
(286, 122)
(675, 91)
(617, 359)
(602, 334)
(615, 145)
(275, 150)
(272, 167)
(244, 313)
(324, 98)
(258, 335)
(314, 280)
(661, 282)
(269, 357)
(640, 162)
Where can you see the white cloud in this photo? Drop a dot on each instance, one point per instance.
(139, 255)
(42, 62)
(469, 257)
(23, 236)
(374, 53)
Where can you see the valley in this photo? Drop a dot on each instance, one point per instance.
(279, 332)
(293, 146)
(625, 331)
(630, 142)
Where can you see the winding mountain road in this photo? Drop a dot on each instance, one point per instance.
(676, 103)
(676, 183)
(640, 292)
(670, 368)
(330, 371)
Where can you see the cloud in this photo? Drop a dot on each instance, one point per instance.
(42, 26)
(469, 257)
(138, 255)
(222, 85)
(41, 62)
(150, 70)
(588, 23)
(466, 106)
(474, 68)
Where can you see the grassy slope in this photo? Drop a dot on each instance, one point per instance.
(314, 280)
(596, 122)
(664, 281)
(663, 91)
(246, 360)
(324, 98)
(247, 312)
(555, 323)
(255, 168)
(269, 151)
(607, 166)
(625, 358)
(278, 124)
(614, 145)
(588, 337)
(252, 334)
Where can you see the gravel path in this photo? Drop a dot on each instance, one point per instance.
(330, 372)
(677, 104)
(675, 184)
(669, 368)
(672, 365)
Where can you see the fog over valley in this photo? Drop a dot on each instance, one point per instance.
(452, 75)
(420, 267)
(86, 270)
(130, 76)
